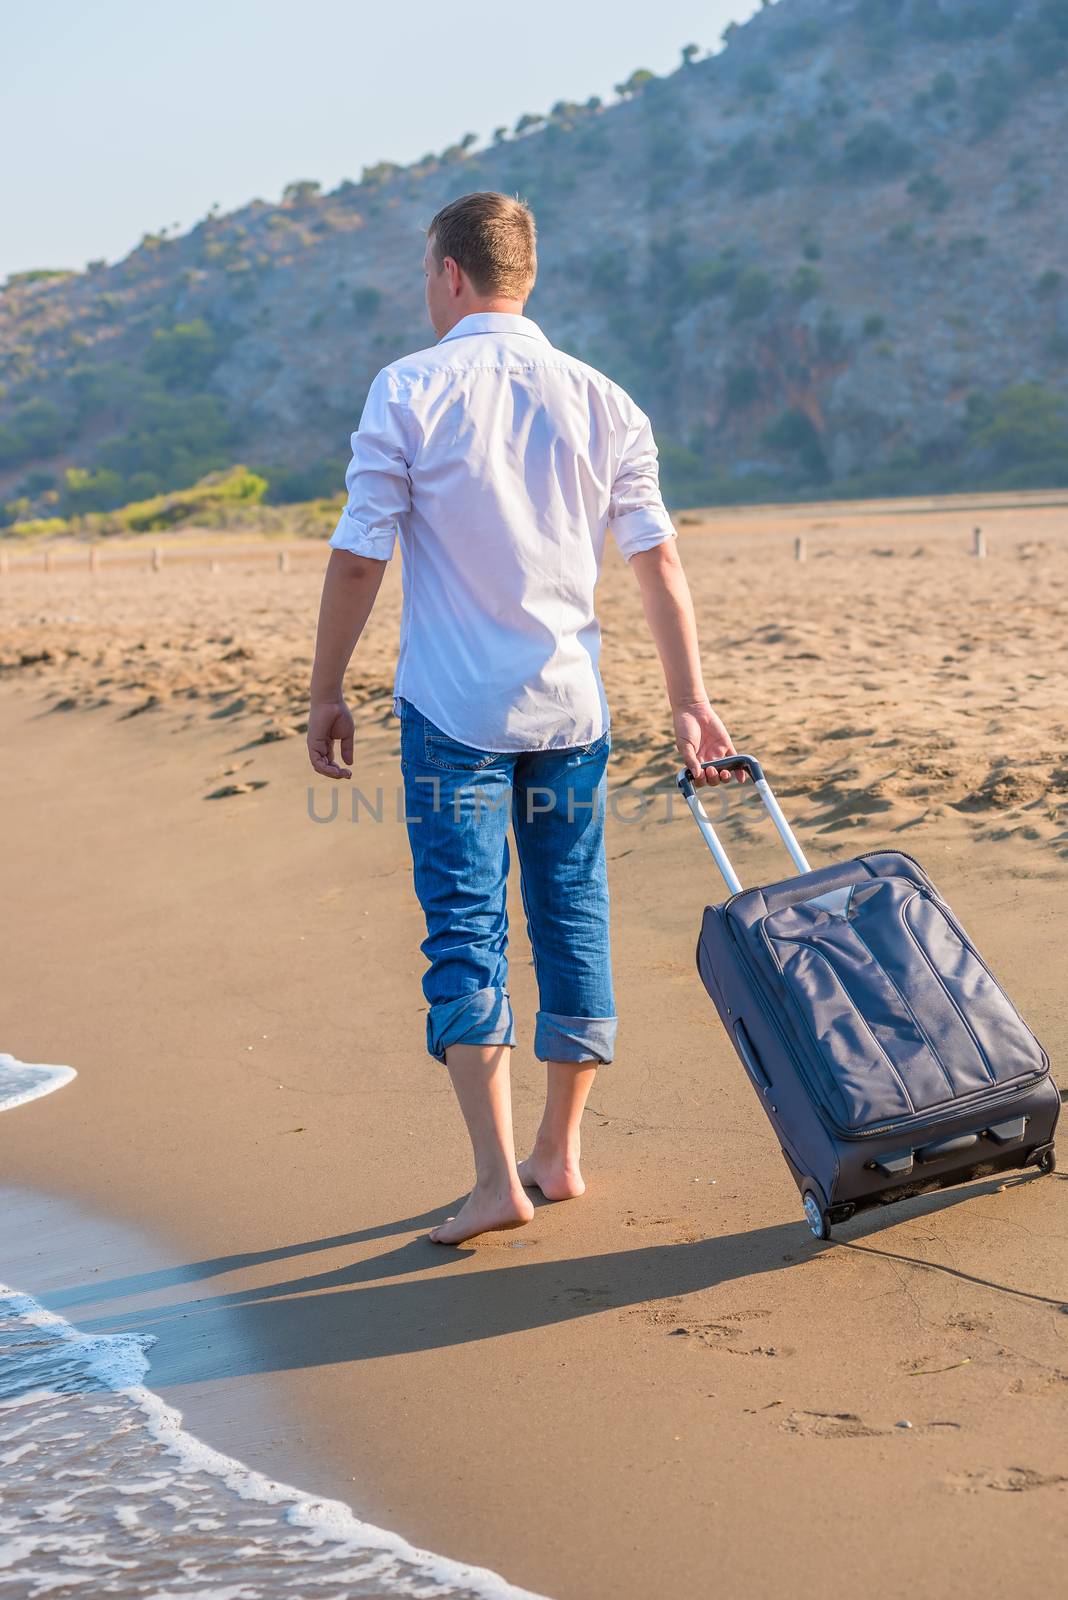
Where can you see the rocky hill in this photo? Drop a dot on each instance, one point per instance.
(830, 258)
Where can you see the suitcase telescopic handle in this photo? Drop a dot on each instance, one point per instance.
(750, 765)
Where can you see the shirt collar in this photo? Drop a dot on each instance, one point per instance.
(494, 322)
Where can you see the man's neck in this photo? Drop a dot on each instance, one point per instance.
(511, 308)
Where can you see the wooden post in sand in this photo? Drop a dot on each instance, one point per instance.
(94, 558)
(283, 560)
(978, 542)
(799, 548)
(214, 567)
(3, 562)
(157, 558)
(50, 561)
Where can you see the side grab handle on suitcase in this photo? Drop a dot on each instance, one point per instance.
(753, 1064)
(752, 766)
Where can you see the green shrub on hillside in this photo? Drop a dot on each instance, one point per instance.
(302, 192)
(793, 37)
(753, 294)
(608, 271)
(1024, 428)
(182, 357)
(173, 441)
(690, 478)
(794, 433)
(707, 278)
(15, 280)
(806, 282)
(969, 244)
(34, 428)
(877, 151)
(931, 190)
(176, 438)
(366, 301)
(1043, 40)
(640, 79)
(592, 144)
(759, 176)
(742, 387)
(90, 490)
(758, 79)
(804, 138)
(235, 487)
(830, 336)
(977, 19)
(881, 22)
(992, 95)
(291, 485)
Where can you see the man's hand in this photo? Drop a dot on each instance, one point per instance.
(701, 736)
(329, 721)
(349, 590)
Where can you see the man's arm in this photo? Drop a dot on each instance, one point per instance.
(645, 535)
(379, 494)
(699, 733)
(350, 589)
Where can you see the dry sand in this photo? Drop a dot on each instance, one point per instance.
(668, 1387)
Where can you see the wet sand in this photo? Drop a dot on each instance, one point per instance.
(669, 1385)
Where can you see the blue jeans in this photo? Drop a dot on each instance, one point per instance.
(458, 804)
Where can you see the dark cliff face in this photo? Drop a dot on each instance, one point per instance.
(831, 258)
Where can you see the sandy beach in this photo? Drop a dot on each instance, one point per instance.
(668, 1387)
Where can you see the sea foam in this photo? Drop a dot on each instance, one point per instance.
(22, 1080)
(103, 1492)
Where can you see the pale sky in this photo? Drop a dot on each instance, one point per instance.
(119, 117)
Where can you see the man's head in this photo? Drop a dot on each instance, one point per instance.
(480, 256)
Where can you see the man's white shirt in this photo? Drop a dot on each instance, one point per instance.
(500, 462)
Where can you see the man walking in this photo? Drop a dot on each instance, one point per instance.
(500, 463)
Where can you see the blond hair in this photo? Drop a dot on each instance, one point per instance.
(493, 238)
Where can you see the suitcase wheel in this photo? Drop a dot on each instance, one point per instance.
(1048, 1162)
(816, 1216)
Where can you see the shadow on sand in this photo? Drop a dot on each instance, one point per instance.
(355, 1312)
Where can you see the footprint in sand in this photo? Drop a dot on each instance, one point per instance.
(664, 1311)
(718, 1335)
(971, 1321)
(586, 1297)
(704, 1332)
(1009, 1480)
(229, 789)
(830, 1425)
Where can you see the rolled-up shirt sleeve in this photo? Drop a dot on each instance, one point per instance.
(378, 480)
(637, 515)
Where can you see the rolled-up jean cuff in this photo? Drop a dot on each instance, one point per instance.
(558, 1038)
(484, 1017)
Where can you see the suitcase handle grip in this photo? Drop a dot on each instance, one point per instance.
(752, 766)
(748, 764)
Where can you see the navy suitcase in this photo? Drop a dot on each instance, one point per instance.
(887, 1057)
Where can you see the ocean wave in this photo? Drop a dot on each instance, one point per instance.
(104, 1493)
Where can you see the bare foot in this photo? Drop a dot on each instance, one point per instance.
(557, 1176)
(484, 1211)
